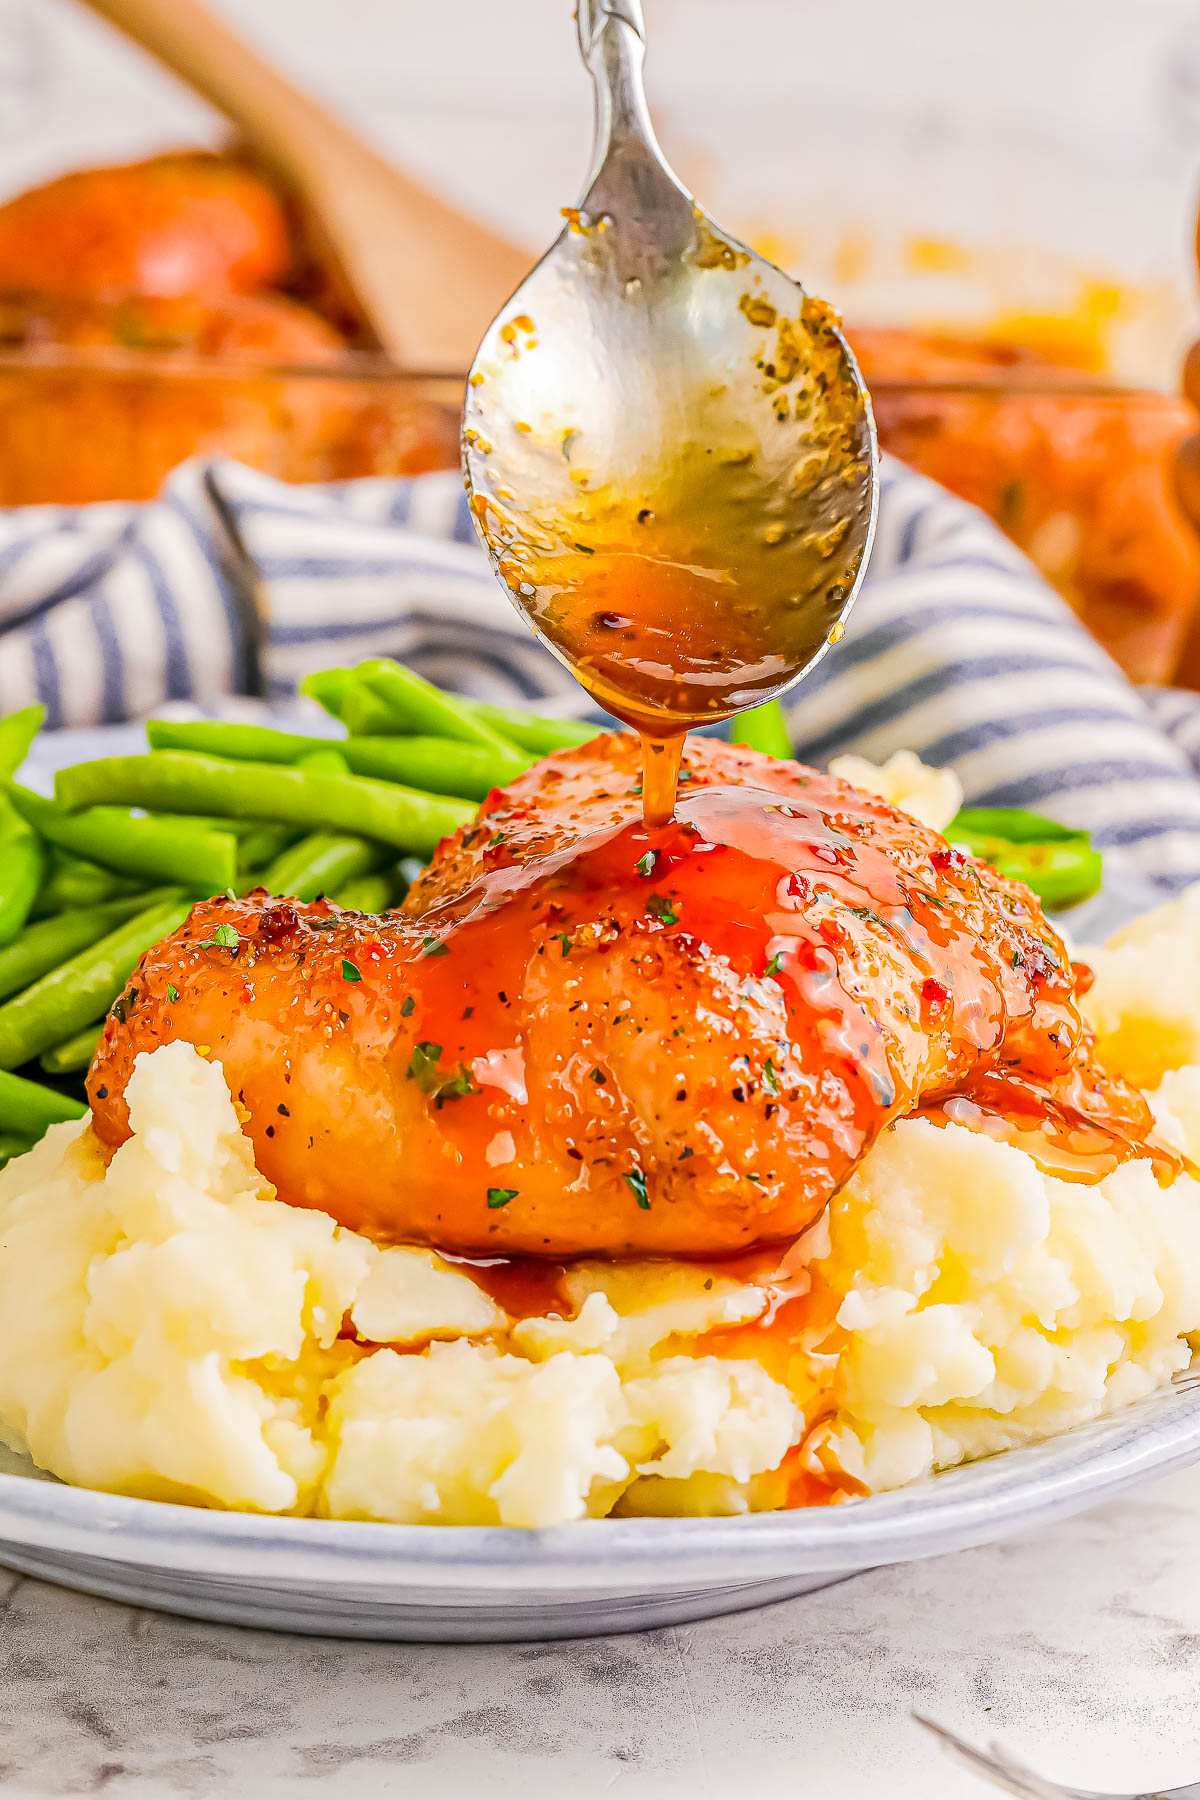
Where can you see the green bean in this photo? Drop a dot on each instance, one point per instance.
(345, 697)
(363, 711)
(261, 845)
(41, 947)
(1061, 874)
(27, 1109)
(342, 691)
(175, 781)
(1012, 824)
(74, 1053)
(326, 760)
(72, 995)
(530, 731)
(182, 850)
(425, 710)
(22, 866)
(318, 864)
(1059, 864)
(17, 733)
(328, 687)
(73, 883)
(763, 728)
(433, 765)
(11, 1147)
(236, 743)
(365, 894)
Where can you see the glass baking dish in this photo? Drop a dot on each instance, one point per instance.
(80, 424)
(1077, 472)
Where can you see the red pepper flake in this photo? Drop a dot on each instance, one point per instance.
(934, 992)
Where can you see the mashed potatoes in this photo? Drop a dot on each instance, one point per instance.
(931, 795)
(169, 1329)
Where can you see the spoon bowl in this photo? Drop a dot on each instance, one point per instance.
(668, 445)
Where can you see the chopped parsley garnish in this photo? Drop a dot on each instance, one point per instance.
(350, 971)
(659, 907)
(424, 1067)
(432, 946)
(172, 992)
(225, 937)
(635, 1181)
(585, 550)
(455, 1087)
(775, 964)
(563, 938)
(497, 1197)
(408, 1007)
(771, 1078)
(645, 864)
(423, 1063)
(598, 1076)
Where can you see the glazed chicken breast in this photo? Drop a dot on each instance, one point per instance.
(581, 1036)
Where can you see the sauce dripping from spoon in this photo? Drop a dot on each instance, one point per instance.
(667, 445)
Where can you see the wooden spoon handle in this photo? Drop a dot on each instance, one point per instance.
(428, 279)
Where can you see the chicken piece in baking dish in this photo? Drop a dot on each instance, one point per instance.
(183, 224)
(580, 1036)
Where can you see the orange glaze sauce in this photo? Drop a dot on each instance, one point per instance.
(660, 778)
(525, 1287)
(726, 870)
(796, 1339)
(664, 647)
(749, 862)
(1063, 1137)
(760, 882)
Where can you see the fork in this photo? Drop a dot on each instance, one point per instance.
(1004, 1771)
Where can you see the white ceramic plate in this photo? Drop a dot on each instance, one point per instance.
(474, 1584)
(471, 1584)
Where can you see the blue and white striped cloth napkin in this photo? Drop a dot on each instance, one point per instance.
(233, 583)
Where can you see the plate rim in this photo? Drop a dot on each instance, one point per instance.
(978, 1502)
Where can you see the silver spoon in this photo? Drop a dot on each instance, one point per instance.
(669, 448)
(1004, 1771)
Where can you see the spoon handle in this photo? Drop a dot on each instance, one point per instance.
(592, 17)
(628, 164)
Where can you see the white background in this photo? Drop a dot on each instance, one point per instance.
(1056, 137)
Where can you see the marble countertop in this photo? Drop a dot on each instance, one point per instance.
(1078, 1645)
